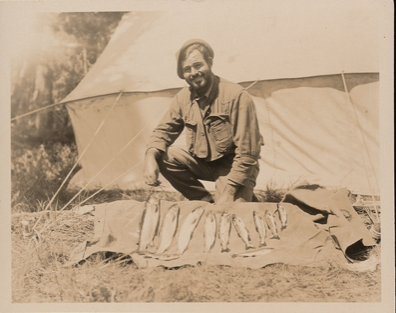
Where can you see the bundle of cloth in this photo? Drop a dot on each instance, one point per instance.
(309, 227)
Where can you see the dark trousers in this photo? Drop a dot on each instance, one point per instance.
(183, 171)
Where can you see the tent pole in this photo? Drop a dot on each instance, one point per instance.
(363, 139)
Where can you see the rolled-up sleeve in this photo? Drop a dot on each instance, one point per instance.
(246, 137)
(168, 129)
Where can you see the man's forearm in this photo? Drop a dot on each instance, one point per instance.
(153, 152)
(241, 169)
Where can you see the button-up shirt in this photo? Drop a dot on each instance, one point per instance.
(226, 125)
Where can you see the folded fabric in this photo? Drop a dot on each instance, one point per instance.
(337, 234)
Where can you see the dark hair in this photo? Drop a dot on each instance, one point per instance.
(201, 48)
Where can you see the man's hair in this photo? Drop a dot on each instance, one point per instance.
(201, 48)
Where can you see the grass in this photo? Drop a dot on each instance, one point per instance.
(39, 274)
(43, 279)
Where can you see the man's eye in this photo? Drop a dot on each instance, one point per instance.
(197, 66)
(187, 70)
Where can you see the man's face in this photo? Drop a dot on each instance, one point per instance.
(197, 72)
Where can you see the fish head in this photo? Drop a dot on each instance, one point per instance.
(154, 202)
(211, 216)
(198, 210)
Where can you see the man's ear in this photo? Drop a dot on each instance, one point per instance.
(210, 62)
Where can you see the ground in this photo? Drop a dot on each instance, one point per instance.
(39, 274)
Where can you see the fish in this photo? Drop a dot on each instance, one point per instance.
(253, 253)
(225, 231)
(169, 228)
(271, 224)
(259, 223)
(210, 231)
(282, 215)
(242, 231)
(187, 229)
(149, 223)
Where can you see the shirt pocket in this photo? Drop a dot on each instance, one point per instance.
(219, 127)
(191, 130)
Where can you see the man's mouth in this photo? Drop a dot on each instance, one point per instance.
(198, 80)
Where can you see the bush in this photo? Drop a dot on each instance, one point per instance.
(37, 173)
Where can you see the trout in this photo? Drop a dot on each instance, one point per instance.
(225, 231)
(187, 229)
(150, 221)
(169, 228)
(282, 215)
(242, 231)
(271, 224)
(260, 228)
(210, 231)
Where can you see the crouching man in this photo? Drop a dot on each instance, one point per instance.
(222, 133)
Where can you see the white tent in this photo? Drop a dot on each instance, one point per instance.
(300, 61)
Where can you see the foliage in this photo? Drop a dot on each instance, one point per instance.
(271, 193)
(68, 44)
(43, 148)
(37, 173)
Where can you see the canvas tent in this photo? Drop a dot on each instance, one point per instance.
(314, 80)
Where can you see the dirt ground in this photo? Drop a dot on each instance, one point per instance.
(39, 275)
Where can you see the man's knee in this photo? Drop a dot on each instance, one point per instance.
(173, 157)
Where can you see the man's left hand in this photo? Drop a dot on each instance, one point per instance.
(228, 194)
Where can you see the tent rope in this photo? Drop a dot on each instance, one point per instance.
(35, 111)
(114, 180)
(108, 163)
(254, 83)
(81, 155)
(363, 139)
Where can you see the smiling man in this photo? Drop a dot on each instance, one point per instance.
(222, 134)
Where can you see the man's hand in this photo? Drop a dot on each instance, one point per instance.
(151, 169)
(228, 194)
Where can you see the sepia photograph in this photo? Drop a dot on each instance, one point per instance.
(187, 156)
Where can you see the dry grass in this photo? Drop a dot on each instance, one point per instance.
(39, 274)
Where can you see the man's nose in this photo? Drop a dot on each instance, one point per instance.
(194, 72)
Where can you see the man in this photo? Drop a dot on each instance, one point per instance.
(222, 133)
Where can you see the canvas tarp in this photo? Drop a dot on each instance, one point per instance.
(307, 240)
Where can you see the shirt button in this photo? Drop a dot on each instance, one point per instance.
(202, 134)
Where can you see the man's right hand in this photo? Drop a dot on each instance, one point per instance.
(151, 169)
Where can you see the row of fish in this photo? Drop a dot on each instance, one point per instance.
(261, 226)
(170, 224)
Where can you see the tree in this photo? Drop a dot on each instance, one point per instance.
(68, 45)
